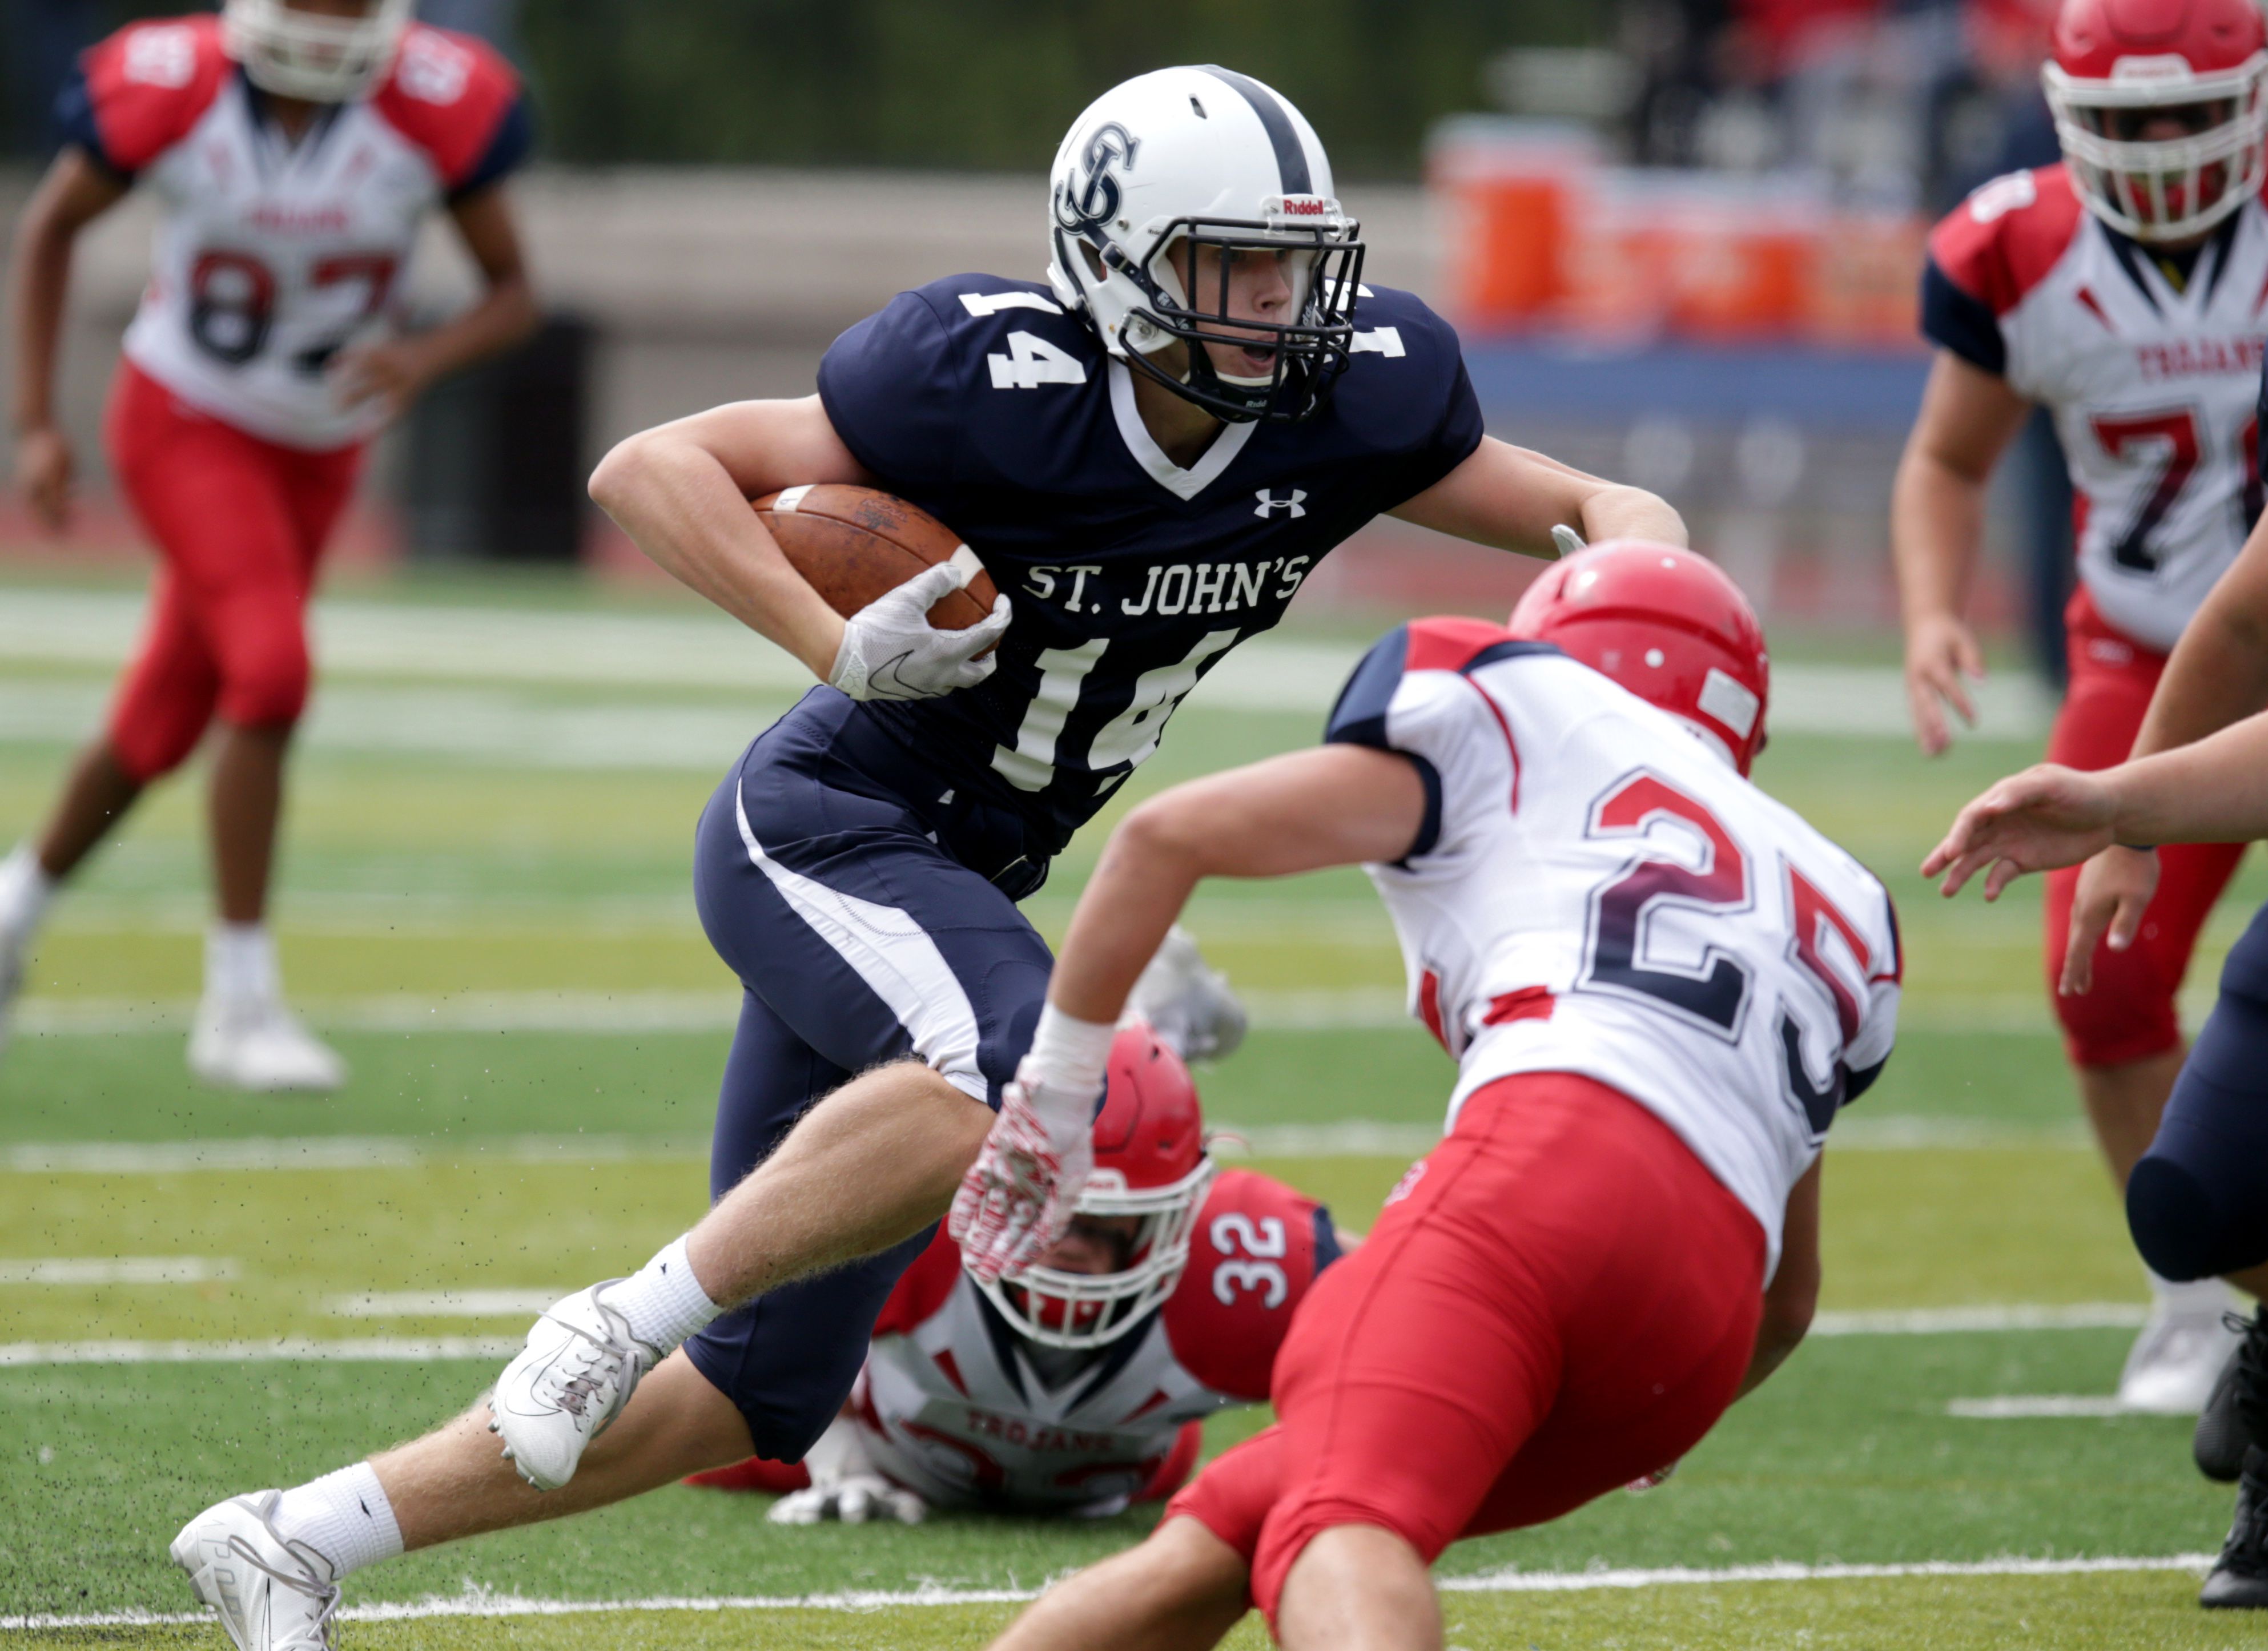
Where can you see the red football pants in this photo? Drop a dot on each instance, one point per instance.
(1559, 1299)
(239, 523)
(2130, 1013)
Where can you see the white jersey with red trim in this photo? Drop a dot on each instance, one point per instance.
(954, 1404)
(1595, 890)
(2153, 380)
(271, 256)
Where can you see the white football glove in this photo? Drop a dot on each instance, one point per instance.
(1188, 1002)
(855, 1500)
(1018, 1196)
(891, 651)
(845, 1486)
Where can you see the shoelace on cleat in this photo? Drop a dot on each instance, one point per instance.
(2250, 1400)
(576, 1391)
(326, 1596)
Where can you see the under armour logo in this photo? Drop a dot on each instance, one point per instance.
(1111, 148)
(1294, 506)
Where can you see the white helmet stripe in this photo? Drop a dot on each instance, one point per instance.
(1290, 158)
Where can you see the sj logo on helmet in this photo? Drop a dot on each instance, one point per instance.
(1110, 151)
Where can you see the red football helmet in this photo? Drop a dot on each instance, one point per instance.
(1150, 1163)
(1667, 625)
(2198, 65)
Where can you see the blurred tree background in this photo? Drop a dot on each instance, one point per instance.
(950, 84)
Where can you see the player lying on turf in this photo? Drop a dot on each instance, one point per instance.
(295, 147)
(2198, 1201)
(1080, 1386)
(1659, 987)
(2121, 291)
(1149, 452)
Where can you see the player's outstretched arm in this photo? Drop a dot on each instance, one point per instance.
(1332, 806)
(75, 192)
(681, 491)
(1512, 498)
(2215, 791)
(1967, 420)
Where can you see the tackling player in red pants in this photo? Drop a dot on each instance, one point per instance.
(296, 147)
(1659, 987)
(2121, 291)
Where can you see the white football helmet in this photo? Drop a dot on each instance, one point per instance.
(1182, 158)
(312, 54)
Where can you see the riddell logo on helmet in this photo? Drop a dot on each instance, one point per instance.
(1304, 207)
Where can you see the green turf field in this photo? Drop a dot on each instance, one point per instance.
(485, 901)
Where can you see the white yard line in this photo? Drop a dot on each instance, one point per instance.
(704, 651)
(1357, 1137)
(2031, 1406)
(444, 1304)
(1366, 1007)
(480, 1602)
(615, 1012)
(1943, 1321)
(1340, 1008)
(1581, 1581)
(361, 1350)
(336, 1152)
(85, 1270)
(1929, 1322)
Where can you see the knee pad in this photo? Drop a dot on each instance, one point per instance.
(2172, 1221)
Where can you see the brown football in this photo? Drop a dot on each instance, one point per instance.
(854, 544)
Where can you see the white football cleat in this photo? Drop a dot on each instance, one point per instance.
(254, 1043)
(271, 1594)
(579, 1369)
(2176, 1360)
(1186, 1002)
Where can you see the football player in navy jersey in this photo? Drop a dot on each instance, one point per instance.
(1150, 453)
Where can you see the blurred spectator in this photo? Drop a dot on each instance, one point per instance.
(44, 38)
(495, 21)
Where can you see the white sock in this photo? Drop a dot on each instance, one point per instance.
(663, 1301)
(344, 1517)
(240, 961)
(26, 892)
(2196, 1299)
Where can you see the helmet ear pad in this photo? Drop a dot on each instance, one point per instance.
(1667, 624)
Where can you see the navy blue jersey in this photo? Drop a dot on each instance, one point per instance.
(982, 401)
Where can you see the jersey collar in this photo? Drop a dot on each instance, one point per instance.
(1182, 484)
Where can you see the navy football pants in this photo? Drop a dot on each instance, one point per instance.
(2197, 1203)
(833, 873)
